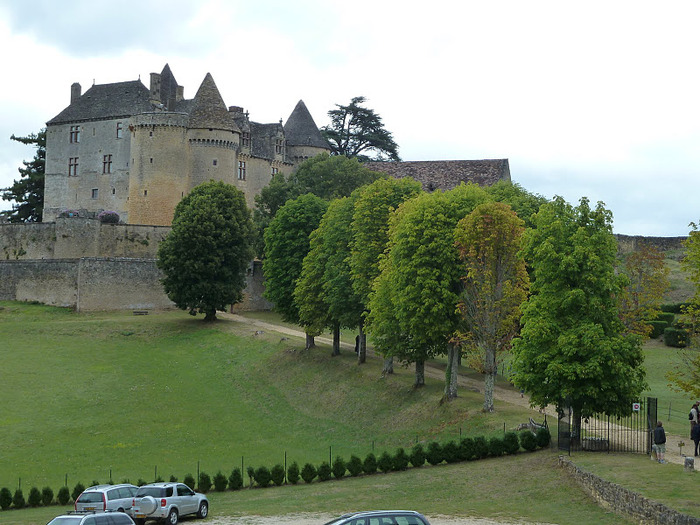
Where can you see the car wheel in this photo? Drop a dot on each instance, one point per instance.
(203, 510)
(172, 517)
(120, 509)
(139, 521)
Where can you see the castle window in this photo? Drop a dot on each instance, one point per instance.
(95, 193)
(274, 171)
(150, 133)
(241, 170)
(114, 191)
(72, 166)
(120, 130)
(245, 139)
(145, 193)
(107, 164)
(279, 146)
(74, 134)
(214, 162)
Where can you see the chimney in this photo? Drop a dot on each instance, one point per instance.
(180, 94)
(155, 87)
(75, 92)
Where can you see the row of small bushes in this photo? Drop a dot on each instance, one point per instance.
(673, 332)
(467, 449)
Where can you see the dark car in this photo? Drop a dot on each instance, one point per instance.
(381, 517)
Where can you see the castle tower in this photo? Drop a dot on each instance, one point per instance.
(304, 140)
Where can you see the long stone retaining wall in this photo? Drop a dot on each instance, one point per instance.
(624, 501)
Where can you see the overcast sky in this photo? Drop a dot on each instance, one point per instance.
(594, 99)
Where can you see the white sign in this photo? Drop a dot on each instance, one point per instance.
(636, 407)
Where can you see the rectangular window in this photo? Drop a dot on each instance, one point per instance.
(95, 193)
(274, 171)
(74, 134)
(241, 170)
(245, 139)
(215, 162)
(107, 164)
(72, 166)
(279, 147)
(120, 130)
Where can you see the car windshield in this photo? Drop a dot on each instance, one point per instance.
(66, 520)
(90, 497)
(156, 492)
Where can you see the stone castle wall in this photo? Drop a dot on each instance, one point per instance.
(632, 243)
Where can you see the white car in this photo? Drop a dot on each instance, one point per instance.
(106, 497)
(92, 518)
(381, 517)
(167, 501)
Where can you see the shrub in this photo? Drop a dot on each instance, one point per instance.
(369, 465)
(481, 447)
(400, 460)
(417, 457)
(18, 499)
(511, 443)
(262, 476)
(159, 479)
(108, 217)
(657, 328)
(339, 467)
(34, 498)
(63, 496)
(189, 481)
(450, 452)
(354, 466)
(46, 496)
(543, 437)
(324, 471)
(141, 482)
(434, 453)
(466, 449)
(674, 308)
(675, 337)
(6, 498)
(496, 447)
(95, 483)
(308, 473)
(173, 479)
(77, 491)
(277, 474)
(667, 317)
(528, 440)
(293, 473)
(251, 474)
(220, 482)
(204, 483)
(385, 462)
(235, 480)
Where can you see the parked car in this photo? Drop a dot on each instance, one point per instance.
(167, 501)
(381, 517)
(92, 518)
(107, 497)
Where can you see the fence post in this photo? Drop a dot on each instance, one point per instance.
(285, 467)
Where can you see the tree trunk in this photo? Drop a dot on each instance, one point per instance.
(362, 350)
(388, 366)
(490, 371)
(576, 428)
(451, 373)
(420, 374)
(310, 343)
(336, 340)
(210, 316)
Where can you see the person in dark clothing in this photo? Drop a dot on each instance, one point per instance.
(695, 436)
(660, 442)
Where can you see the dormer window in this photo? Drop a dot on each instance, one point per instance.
(279, 147)
(245, 139)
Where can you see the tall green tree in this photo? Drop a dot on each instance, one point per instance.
(573, 350)
(286, 245)
(370, 237)
(523, 203)
(495, 284)
(357, 131)
(27, 193)
(205, 257)
(418, 290)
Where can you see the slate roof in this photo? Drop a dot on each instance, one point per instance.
(208, 109)
(262, 139)
(446, 174)
(301, 130)
(106, 101)
(168, 87)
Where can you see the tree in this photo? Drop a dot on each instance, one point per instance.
(28, 191)
(286, 245)
(523, 203)
(495, 285)
(207, 253)
(370, 237)
(356, 131)
(572, 351)
(413, 308)
(640, 301)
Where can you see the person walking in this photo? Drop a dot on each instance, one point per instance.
(660, 442)
(694, 415)
(695, 436)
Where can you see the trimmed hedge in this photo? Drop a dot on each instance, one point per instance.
(657, 328)
(676, 337)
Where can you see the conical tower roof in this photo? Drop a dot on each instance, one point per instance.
(208, 108)
(301, 130)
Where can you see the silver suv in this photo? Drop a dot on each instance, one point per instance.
(92, 518)
(107, 497)
(167, 501)
(381, 517)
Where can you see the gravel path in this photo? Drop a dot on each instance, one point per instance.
(319, 519)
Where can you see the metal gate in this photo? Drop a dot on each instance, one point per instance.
(631, 433)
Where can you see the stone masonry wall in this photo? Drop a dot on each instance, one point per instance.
(624, 501)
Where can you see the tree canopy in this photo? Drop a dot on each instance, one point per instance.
(357, 131)
(205, 257)
(572, 350)
(28, 192)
